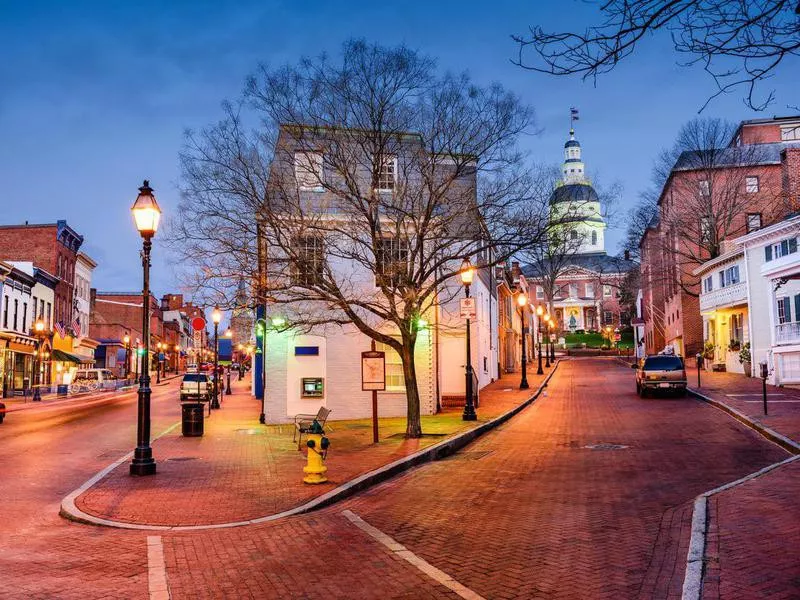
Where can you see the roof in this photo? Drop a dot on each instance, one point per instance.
(735, 156)
(574, 192)
(599, 262)
(571, 143)
(710, 264)
(770, 120)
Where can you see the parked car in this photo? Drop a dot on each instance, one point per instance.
(660, 372)
(191, 368)
(195, 386)
(93, 378)
(206, 367)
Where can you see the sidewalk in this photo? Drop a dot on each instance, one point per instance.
(753, 529)
(240, 470)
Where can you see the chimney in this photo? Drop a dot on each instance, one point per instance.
(515, 270)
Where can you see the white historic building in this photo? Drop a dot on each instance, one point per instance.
(772, 275)
(83, 345)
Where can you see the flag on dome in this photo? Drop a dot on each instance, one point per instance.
(573, 113)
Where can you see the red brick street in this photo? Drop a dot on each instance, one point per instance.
(587, 493)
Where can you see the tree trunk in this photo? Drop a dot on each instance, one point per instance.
(413, 423)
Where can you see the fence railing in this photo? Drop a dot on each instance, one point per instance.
(787, 333)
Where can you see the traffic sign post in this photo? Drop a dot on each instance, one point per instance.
(373, 378)
(468, 308)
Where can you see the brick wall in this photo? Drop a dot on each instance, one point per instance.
(790, 177)
(125, 310)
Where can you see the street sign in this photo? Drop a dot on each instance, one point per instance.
(198, 323)
(197, 340)
(468, 308)
(373, 370)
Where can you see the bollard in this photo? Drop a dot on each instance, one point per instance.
(764, 375)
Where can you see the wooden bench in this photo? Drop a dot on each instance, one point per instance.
(303, 421)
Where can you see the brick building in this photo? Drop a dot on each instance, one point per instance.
(751, 183)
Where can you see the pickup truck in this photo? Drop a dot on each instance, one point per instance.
(195, 386)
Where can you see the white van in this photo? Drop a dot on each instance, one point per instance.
(93, 378)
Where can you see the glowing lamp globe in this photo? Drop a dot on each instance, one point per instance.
(216, 316)
(539, 310)
(146, 212)
(467, 272)
(522, 299)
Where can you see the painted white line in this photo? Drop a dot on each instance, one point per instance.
(437, 575)
(156, 569)
(754, 394)
(774, 401)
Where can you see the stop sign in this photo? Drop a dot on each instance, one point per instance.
(198, 323)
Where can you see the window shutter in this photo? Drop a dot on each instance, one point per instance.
(787, 310)
(792, 245)
(797, 306)
(768, 253)
(784, 247)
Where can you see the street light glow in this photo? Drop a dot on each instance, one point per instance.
(467, 271)
(216, 316)
(146, 212)
(522, 299)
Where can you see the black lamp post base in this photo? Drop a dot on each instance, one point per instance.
(144, 464)
(524, 385)
(215, 404)
(469, 414)
(262, 418)
(37, 395)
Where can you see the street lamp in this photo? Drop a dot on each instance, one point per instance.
(539, 313)
(229, 335)
(522, 300)
(552, 324)
(216, 317)
(262, 418)
(547, 342)
(177, 357)
(127, 341)
(146, 214)
(38, 329)
(159, 346)
(467, 275)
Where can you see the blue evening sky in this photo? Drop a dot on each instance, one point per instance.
(95, 96)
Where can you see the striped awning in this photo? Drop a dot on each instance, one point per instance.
(61, 356)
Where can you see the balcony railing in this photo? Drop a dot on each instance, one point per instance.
(727, 296)
(787, 333)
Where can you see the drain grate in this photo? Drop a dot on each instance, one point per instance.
(605, 446)
(473, 455)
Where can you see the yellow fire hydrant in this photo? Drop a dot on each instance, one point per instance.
(318, 445)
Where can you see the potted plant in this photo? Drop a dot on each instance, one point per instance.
(734, 346)
(744, 358)
(708, 350)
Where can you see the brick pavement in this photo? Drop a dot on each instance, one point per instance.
(754, 528)
(745, 395)
(585, 494)
(241, 470)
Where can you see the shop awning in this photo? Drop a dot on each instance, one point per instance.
(61, 356)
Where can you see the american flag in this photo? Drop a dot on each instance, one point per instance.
(76, 325)
(59, 327)
(573, 113)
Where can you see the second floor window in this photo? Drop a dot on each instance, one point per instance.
(539, 292)
(308, 268)
(784, 310)
(308, 170)
(573, 290)
(5, 312)
(590, 290)
(387, 175)
(607, 291)
(779, 249)
(705, 187)
(751, 184)
(708, 284)
(753, 221)
(391, 261)
(729, 276)
(16, 310)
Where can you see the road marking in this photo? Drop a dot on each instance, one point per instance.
(156, 569)
(753, 394)
(774, 401)
(436, 574)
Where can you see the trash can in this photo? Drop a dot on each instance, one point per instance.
(62, 390)
(192, 415)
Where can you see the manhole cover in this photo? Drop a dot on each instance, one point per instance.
(182, 458)
(249, 431)
(606, 446)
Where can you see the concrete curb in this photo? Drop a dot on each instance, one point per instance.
(435, 452)
(696, 557)
(773, 436)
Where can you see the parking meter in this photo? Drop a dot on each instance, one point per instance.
(764, 375)
(699, 358)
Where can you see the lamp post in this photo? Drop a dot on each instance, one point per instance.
(229, 335)
(262, 418)
(159, 346)
(177, 357)
(146, 214)
(216, 317)
(547, 341)
(38, 329)
(127, 341)
(467, 274)
(539, 313)
(522, 300)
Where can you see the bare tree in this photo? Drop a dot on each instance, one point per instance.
(707, 188)
(640, 217)
(739, 43)
(369, 180)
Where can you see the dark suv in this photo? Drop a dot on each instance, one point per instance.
(661, 372)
